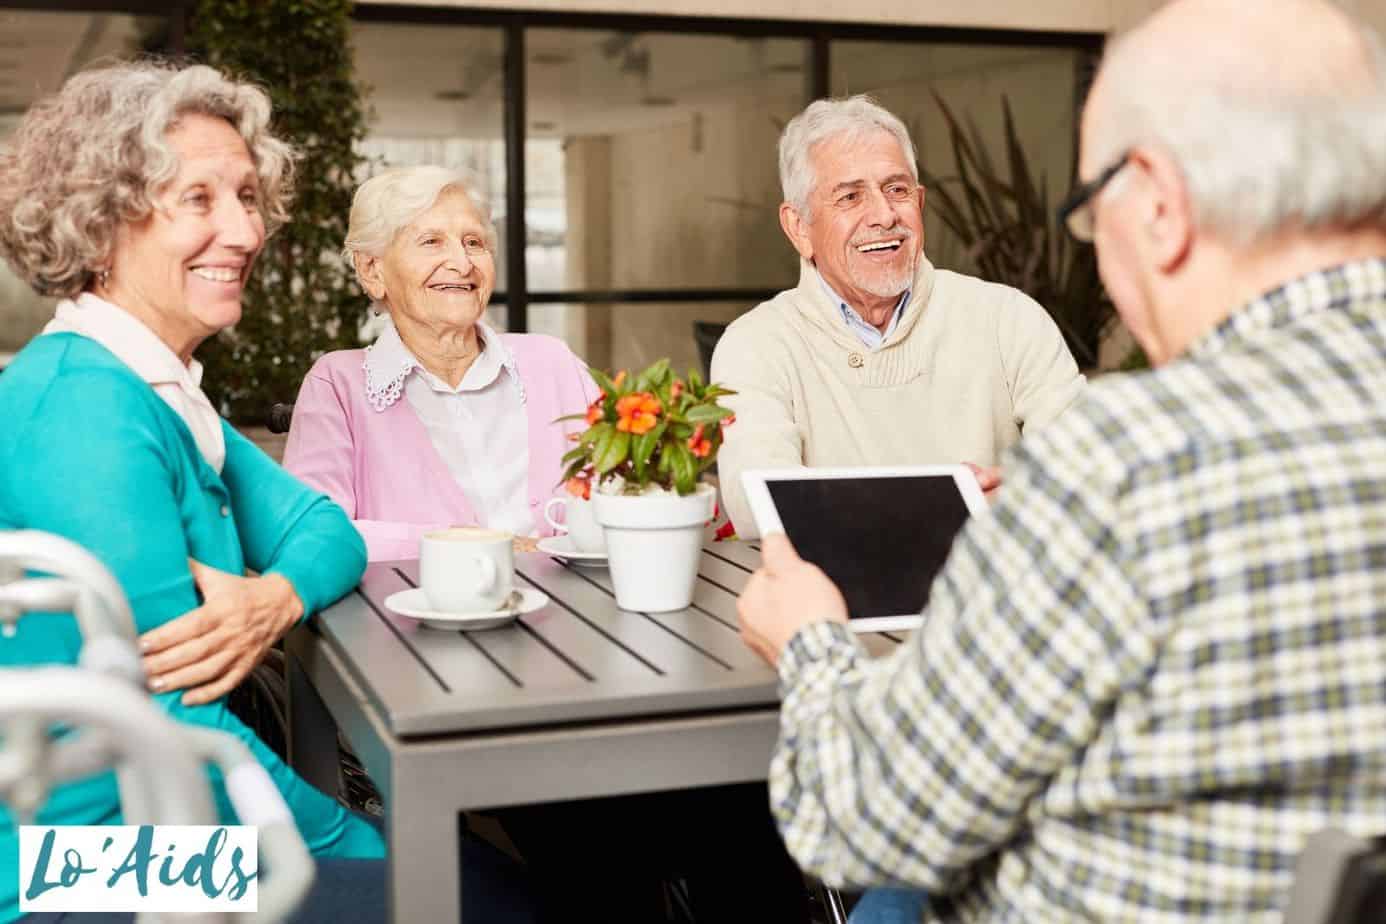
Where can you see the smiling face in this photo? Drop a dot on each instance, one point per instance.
(433, 287)
(182, 269)
(866, 228)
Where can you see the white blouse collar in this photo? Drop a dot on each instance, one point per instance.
(388, 363)
(138, 347)
(132, 342)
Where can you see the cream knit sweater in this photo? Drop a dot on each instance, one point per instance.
(970, 365)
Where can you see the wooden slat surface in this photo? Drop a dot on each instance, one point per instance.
(580, 658)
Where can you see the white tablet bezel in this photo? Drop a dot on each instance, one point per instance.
(754, 484)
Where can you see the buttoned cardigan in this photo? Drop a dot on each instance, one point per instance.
(381, 466)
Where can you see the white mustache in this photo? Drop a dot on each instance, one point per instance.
(900, 231)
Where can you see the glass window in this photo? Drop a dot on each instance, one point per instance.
(435, 96)
(658, 167)
(640, 333)
(38, 51)
(1040, 83)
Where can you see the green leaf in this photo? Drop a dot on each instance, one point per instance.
(706, 414)
(577, 452)
(643, 446)
(657, 373)
(582, 416)
(684, 467)
(603, 381)
(597, 434)
(572, 470)
(612, 452)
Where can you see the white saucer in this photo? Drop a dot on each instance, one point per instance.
(562, 547)
(414, 604)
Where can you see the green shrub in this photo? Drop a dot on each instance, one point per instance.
(301, 301)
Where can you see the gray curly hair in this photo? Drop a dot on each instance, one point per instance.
(93, 157)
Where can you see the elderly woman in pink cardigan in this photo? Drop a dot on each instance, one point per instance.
(442, 421)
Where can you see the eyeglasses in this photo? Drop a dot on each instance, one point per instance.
(1076, 211)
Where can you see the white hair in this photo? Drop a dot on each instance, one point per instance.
(389, 202)
(1260, 150)
(853, 117)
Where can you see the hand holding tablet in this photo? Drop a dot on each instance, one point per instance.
(880, 534)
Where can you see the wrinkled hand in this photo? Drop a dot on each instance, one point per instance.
(988, 477)
(209, 650)
(785, 594)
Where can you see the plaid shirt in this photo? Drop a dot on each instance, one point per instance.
(1154, 670)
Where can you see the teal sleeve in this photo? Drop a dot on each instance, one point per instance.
(91, 462)
(289, 529)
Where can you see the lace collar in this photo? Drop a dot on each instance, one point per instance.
(388, 363)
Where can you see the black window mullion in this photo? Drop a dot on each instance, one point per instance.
(516, 282)
(820, 74)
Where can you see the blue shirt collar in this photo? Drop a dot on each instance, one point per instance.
(870, 337)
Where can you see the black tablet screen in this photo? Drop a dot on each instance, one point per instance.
(881, 540)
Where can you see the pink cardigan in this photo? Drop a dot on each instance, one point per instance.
(381, 465)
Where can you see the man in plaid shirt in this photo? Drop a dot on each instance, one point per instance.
(1159, 665)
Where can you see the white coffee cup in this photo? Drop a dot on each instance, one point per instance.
(466, 569)
(579, 523)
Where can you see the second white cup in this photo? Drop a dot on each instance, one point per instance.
(579, 524)
(466, 569)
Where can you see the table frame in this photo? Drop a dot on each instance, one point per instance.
(715, 726)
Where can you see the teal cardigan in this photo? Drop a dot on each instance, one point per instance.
(89, 451)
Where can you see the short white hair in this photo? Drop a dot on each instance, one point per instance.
(853, 117)
(1258, 154)
(390, 201)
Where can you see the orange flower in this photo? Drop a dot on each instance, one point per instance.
(698, 444)
(675, 390)
(729, 421)
(637, 413)
(620, 377)
(594, 412)
(580, 487)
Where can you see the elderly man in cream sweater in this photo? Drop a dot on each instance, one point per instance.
(876, 357)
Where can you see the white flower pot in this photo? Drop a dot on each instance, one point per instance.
(653, 542)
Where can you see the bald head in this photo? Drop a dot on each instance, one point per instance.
(1249, 144)
(1280, 47)
(1275, 110)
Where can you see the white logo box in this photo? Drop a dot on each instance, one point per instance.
(138, 868)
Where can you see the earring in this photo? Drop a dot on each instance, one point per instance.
(103, 277)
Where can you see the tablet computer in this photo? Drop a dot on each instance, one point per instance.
(881, 534)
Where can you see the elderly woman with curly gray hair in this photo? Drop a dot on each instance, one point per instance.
(141, 194)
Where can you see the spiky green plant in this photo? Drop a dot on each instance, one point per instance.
(1001, 216)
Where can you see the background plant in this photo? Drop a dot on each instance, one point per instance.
(651, 429)
(1000, 212)
(301, 300)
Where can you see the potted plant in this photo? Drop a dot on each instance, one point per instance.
(648, 439)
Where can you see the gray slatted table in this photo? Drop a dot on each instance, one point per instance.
(577, 700)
